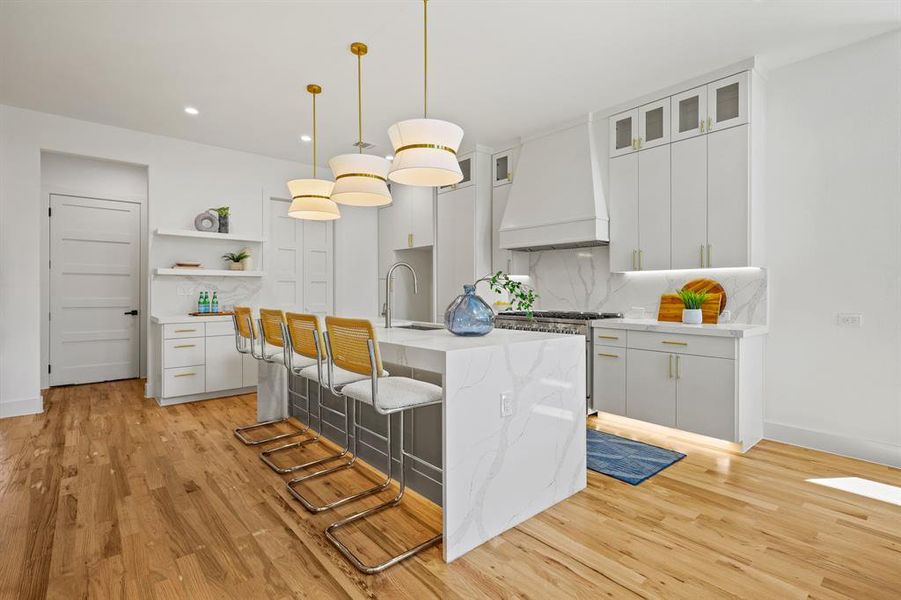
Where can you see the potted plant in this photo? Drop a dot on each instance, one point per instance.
(222, 211)
(248, 259)
(235, 260)
(693, 301)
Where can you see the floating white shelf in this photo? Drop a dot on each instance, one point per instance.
(208, 235)
(208, 272)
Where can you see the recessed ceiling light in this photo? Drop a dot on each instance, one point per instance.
(192, 111)
(389, 157)
(305, 138)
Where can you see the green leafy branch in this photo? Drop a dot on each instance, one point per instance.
(236, 257)
(222, 211)
(521, 297)
(691, 299)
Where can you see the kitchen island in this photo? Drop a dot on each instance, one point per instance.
(504, 461)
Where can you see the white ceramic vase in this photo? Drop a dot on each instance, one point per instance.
(692, 316)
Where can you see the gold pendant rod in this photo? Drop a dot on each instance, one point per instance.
(360, 101)
(314, 89)
(425, 59)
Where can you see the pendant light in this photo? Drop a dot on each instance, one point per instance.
(360, 179)
(310, 198)
(425, 150)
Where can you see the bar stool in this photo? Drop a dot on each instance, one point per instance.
(304, 337)
(353, 346)
(245, 343)
(336, 377)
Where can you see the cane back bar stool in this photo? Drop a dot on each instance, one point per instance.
(337, 376)
(269, 328)
(304, 343)
(353, 346)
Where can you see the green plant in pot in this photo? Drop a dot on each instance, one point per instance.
(692, 301)
(222, 211)
(235, 259)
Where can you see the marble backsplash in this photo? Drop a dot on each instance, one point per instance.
(580, 279)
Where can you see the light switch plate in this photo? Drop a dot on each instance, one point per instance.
(507, 404)
(850, 319)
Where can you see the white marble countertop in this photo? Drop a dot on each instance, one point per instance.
(442, 340)
(734, 330)
(167, 319)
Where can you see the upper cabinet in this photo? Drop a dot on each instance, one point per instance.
(717, 105)
(408, 220)
(502, 167)
(624, 133)
(680, 180)
(466, 164)
(727, 102)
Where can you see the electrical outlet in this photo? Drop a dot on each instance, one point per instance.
(850, 319)
(507, 404)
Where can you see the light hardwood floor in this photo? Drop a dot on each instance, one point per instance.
(108, 495)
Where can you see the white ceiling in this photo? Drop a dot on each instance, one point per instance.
(498, 68)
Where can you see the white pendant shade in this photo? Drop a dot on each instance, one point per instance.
(311, 200)
(425, 152)
(360, 180)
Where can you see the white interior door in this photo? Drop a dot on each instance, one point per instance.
(318, 281)
(95, 268)
(286, 271)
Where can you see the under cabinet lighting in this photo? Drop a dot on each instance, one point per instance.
(192, 111)
(305, 138)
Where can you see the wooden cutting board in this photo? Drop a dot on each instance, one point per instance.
(710, 286)
(671, 308)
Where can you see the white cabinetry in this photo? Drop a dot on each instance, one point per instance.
(408, 221)
(684, 200)
(200, 361)
(624, 133)
(463, 232)
(710, 385)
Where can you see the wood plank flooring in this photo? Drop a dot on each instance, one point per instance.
(107, 495)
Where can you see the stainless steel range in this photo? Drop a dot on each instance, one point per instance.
(572, 322)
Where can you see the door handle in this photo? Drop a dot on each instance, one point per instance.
(678, 370)
(131, 312)
(670, 366)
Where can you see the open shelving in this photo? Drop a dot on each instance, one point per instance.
(209, 235)
(207, 272)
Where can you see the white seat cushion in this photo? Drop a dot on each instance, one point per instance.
(278, 356)
(395, 393)
(342, 376)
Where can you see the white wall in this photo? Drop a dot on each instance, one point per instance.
(106, 179)
(184, 178)
(834, 244)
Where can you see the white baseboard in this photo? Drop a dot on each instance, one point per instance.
(205, 396)
(18, 408)
(878, 452)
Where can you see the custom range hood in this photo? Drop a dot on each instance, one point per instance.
(556, 199)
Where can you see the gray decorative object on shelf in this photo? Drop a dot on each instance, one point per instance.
(222, 212)
(208, 220)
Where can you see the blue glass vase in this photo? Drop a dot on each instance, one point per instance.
(468, 314)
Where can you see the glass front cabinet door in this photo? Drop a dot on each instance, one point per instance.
(727, 102)
(502, 168)
(624, 133)
(689, 113)
(653, 124)
(465, 161)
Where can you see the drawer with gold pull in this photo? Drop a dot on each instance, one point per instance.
(609, 337)
(700, 345)
(184, 352)
(184, 381)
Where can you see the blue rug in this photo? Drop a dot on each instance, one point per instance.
(627, 460)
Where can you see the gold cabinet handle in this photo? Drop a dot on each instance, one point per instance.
(608, 337)
(409, 240)
(608, 355)
(701, 126)
(185, 374)
(709, 263)
(185, 330)
(709, 124)
(702, 256)
(185, 345)
(634, 254)
(674, 343)
(640, 253)
(678, 369)
(670, 366)
(638, 144)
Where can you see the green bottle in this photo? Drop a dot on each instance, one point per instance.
(214, 306)
(200, 303)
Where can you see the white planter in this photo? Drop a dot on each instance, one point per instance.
(692, 316)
